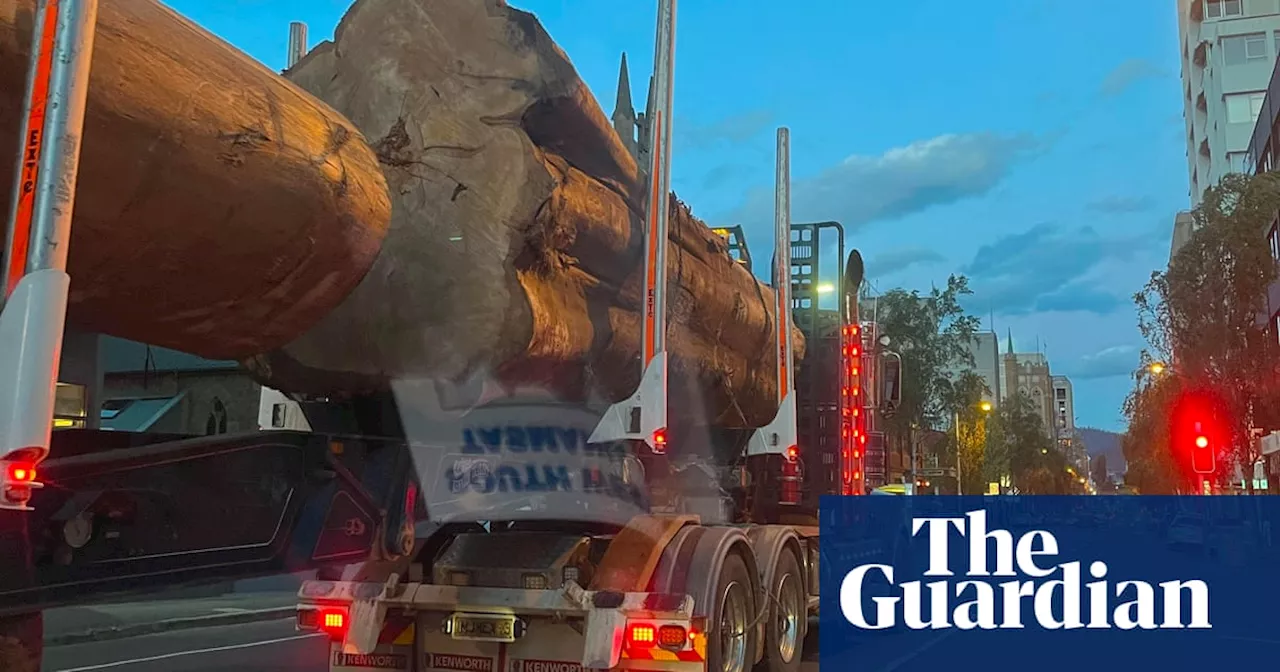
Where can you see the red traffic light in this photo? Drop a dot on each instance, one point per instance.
(1198, 429)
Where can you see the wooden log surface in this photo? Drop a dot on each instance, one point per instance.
(514, 244)
(220, 209)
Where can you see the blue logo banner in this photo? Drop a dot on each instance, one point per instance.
(1050, 583)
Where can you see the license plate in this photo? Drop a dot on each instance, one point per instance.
(483, 628)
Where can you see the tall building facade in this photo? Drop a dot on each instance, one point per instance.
(985, 350)
(1264, 156)
(1228, 48)
(1028, 374)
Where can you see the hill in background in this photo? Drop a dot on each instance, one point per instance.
(1101, 442)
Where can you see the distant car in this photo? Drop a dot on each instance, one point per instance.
(1187, 532)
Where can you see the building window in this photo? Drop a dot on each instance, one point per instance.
(1273, 238)
(1244, 108)
(1240, 49)
(1238, 162)
(1060, 393)
(69, 406)
(1217, 9)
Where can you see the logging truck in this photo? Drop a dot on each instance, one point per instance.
(454, 527)
(566, 543)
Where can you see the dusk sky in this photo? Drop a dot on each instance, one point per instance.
(1025, 143)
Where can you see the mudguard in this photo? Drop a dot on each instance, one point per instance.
(705, 561)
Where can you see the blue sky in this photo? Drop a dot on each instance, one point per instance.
(1034, 145)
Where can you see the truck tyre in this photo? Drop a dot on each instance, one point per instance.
(21, 642)
(788, 617)
(730, 629)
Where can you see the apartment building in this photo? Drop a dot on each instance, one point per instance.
(1228, 50)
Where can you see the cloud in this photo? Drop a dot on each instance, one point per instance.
(1044, 269)
(1120, 205)
(1129, 73)
(904, 180)
(1119, 360)
(737, 128)
(895, 261)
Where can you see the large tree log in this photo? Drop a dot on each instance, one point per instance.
(514, 245)
(220, 209)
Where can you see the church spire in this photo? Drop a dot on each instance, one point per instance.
(1010, 346)
(624, 112)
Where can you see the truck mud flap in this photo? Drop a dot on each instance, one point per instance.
(146, 517)
(394, 652)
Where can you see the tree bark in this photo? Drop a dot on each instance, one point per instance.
(515, 241)
(220, 209)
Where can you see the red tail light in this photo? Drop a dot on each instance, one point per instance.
(641, 635)
(22, 472)
(660, 441)
(334, 622)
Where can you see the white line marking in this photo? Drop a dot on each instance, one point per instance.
(192, 652)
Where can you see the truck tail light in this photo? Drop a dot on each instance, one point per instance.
(672, 636)
(334, 622)
(641, 635)
(22, 472)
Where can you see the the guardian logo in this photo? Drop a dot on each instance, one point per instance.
(1052, 593)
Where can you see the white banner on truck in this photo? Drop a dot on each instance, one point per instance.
(481, 456)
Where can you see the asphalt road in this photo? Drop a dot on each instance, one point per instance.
(253, 647)
(273, 646)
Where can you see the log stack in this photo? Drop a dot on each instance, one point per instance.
(220, 209)
(515, 235)
(227, 212)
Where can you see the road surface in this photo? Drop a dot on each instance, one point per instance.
(274, 646)
(252, 647)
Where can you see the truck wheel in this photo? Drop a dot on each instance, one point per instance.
(21, 642)
(730, 643)
(788, 616)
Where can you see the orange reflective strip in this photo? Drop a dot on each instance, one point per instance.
(651, 272)
(32, 147)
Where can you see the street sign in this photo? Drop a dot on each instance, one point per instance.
(934, 473)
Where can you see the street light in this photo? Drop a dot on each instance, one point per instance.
(1156, 368)
(986, 407)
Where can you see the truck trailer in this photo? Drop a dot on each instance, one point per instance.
(449, 523)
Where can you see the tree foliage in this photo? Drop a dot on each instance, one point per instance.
(1207, 314)
(931, 332)
(1022, 450)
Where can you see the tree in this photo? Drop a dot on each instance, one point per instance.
(931, 332)
(1021, 449)
(1146, 446)
(1207, 313)
(1098, 471)
(962, 397)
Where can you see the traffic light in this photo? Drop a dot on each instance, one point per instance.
(1198, 429)
(1202, 458)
